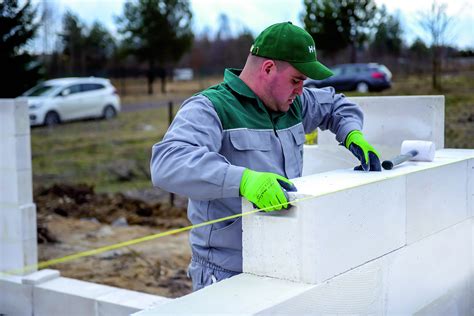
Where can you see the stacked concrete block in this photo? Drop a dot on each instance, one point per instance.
(470, 185)
(388, 121)
(126, 302)
(16, 298)
(325, 236)
(46, 293)
(436, 199)
(75, 297)
(17, 211)
(353, 217)
(243, 294)
(84, 298)
(428, 277)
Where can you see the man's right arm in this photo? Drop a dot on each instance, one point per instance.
(187, 160)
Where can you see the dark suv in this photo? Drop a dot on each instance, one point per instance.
(359, 77)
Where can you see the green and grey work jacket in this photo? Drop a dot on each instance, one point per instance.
(218, 133)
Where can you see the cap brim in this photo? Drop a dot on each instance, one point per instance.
(313, 70)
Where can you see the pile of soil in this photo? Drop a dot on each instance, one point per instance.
(73, 218)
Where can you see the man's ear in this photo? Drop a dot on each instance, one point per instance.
(268, 66)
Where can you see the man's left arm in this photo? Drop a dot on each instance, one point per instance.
(326, 109)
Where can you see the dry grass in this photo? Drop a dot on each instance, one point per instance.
(136, 90)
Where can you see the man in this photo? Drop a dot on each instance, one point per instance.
(244, 137)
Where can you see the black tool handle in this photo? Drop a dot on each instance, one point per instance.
(389, 164)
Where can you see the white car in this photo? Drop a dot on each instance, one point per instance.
(65, 99)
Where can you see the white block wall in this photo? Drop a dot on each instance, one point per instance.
(46, 293)
(355, 217)
(243, 294)
(328, 235)
(429, 277)
(17, 211)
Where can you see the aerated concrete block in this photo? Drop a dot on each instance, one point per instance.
(7, 114)
(436, 199)
(18, 223)
(64, 296)
(320, 158)
(422, 117)
(16, 187)
(354, 217)
(430, 275)
(125, 302)
(330, 233)
(17, 254)
(470, 190)
(436, 267)
(15, 297)
(472, 267)
(40, 277)
(8, 152)
(15, 152)
(242, 294)
(14, 117)
(356, 292)
(353, 226)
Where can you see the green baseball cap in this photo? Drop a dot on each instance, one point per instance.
(290, 43)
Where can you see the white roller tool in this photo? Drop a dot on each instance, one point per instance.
(416, 150)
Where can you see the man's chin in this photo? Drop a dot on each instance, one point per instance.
(284, 107)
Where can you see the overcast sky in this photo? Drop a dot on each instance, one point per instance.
(257, 14)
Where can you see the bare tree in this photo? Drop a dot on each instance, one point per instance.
(437, 24)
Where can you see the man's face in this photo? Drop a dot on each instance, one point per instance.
(283, 86)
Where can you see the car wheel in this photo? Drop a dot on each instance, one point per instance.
(362, 87)
(109, 112)
(52, 119)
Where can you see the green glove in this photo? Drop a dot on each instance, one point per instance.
(265, 189)
(368, 156)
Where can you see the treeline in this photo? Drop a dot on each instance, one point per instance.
(154, 36)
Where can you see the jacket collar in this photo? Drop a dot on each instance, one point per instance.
(231, 78)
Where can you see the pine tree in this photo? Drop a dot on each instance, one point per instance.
(19, 70)
(336, 25)
(156, 32)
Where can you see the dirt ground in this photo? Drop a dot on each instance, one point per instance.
(74, 218)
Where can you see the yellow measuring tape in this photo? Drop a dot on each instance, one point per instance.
(87, 253)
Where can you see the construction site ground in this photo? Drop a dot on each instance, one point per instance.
(73, 218)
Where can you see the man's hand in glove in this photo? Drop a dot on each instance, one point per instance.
(368, 156)
(265, 189)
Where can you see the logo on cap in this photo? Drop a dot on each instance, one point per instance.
(312, 49)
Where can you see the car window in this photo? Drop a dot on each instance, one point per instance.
(342, 70)
(75, 88)
(91, 86)
(350, 70)
(41, 90)
(336, 71)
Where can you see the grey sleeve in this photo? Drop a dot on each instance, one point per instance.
(326, 109)
(187, 160)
